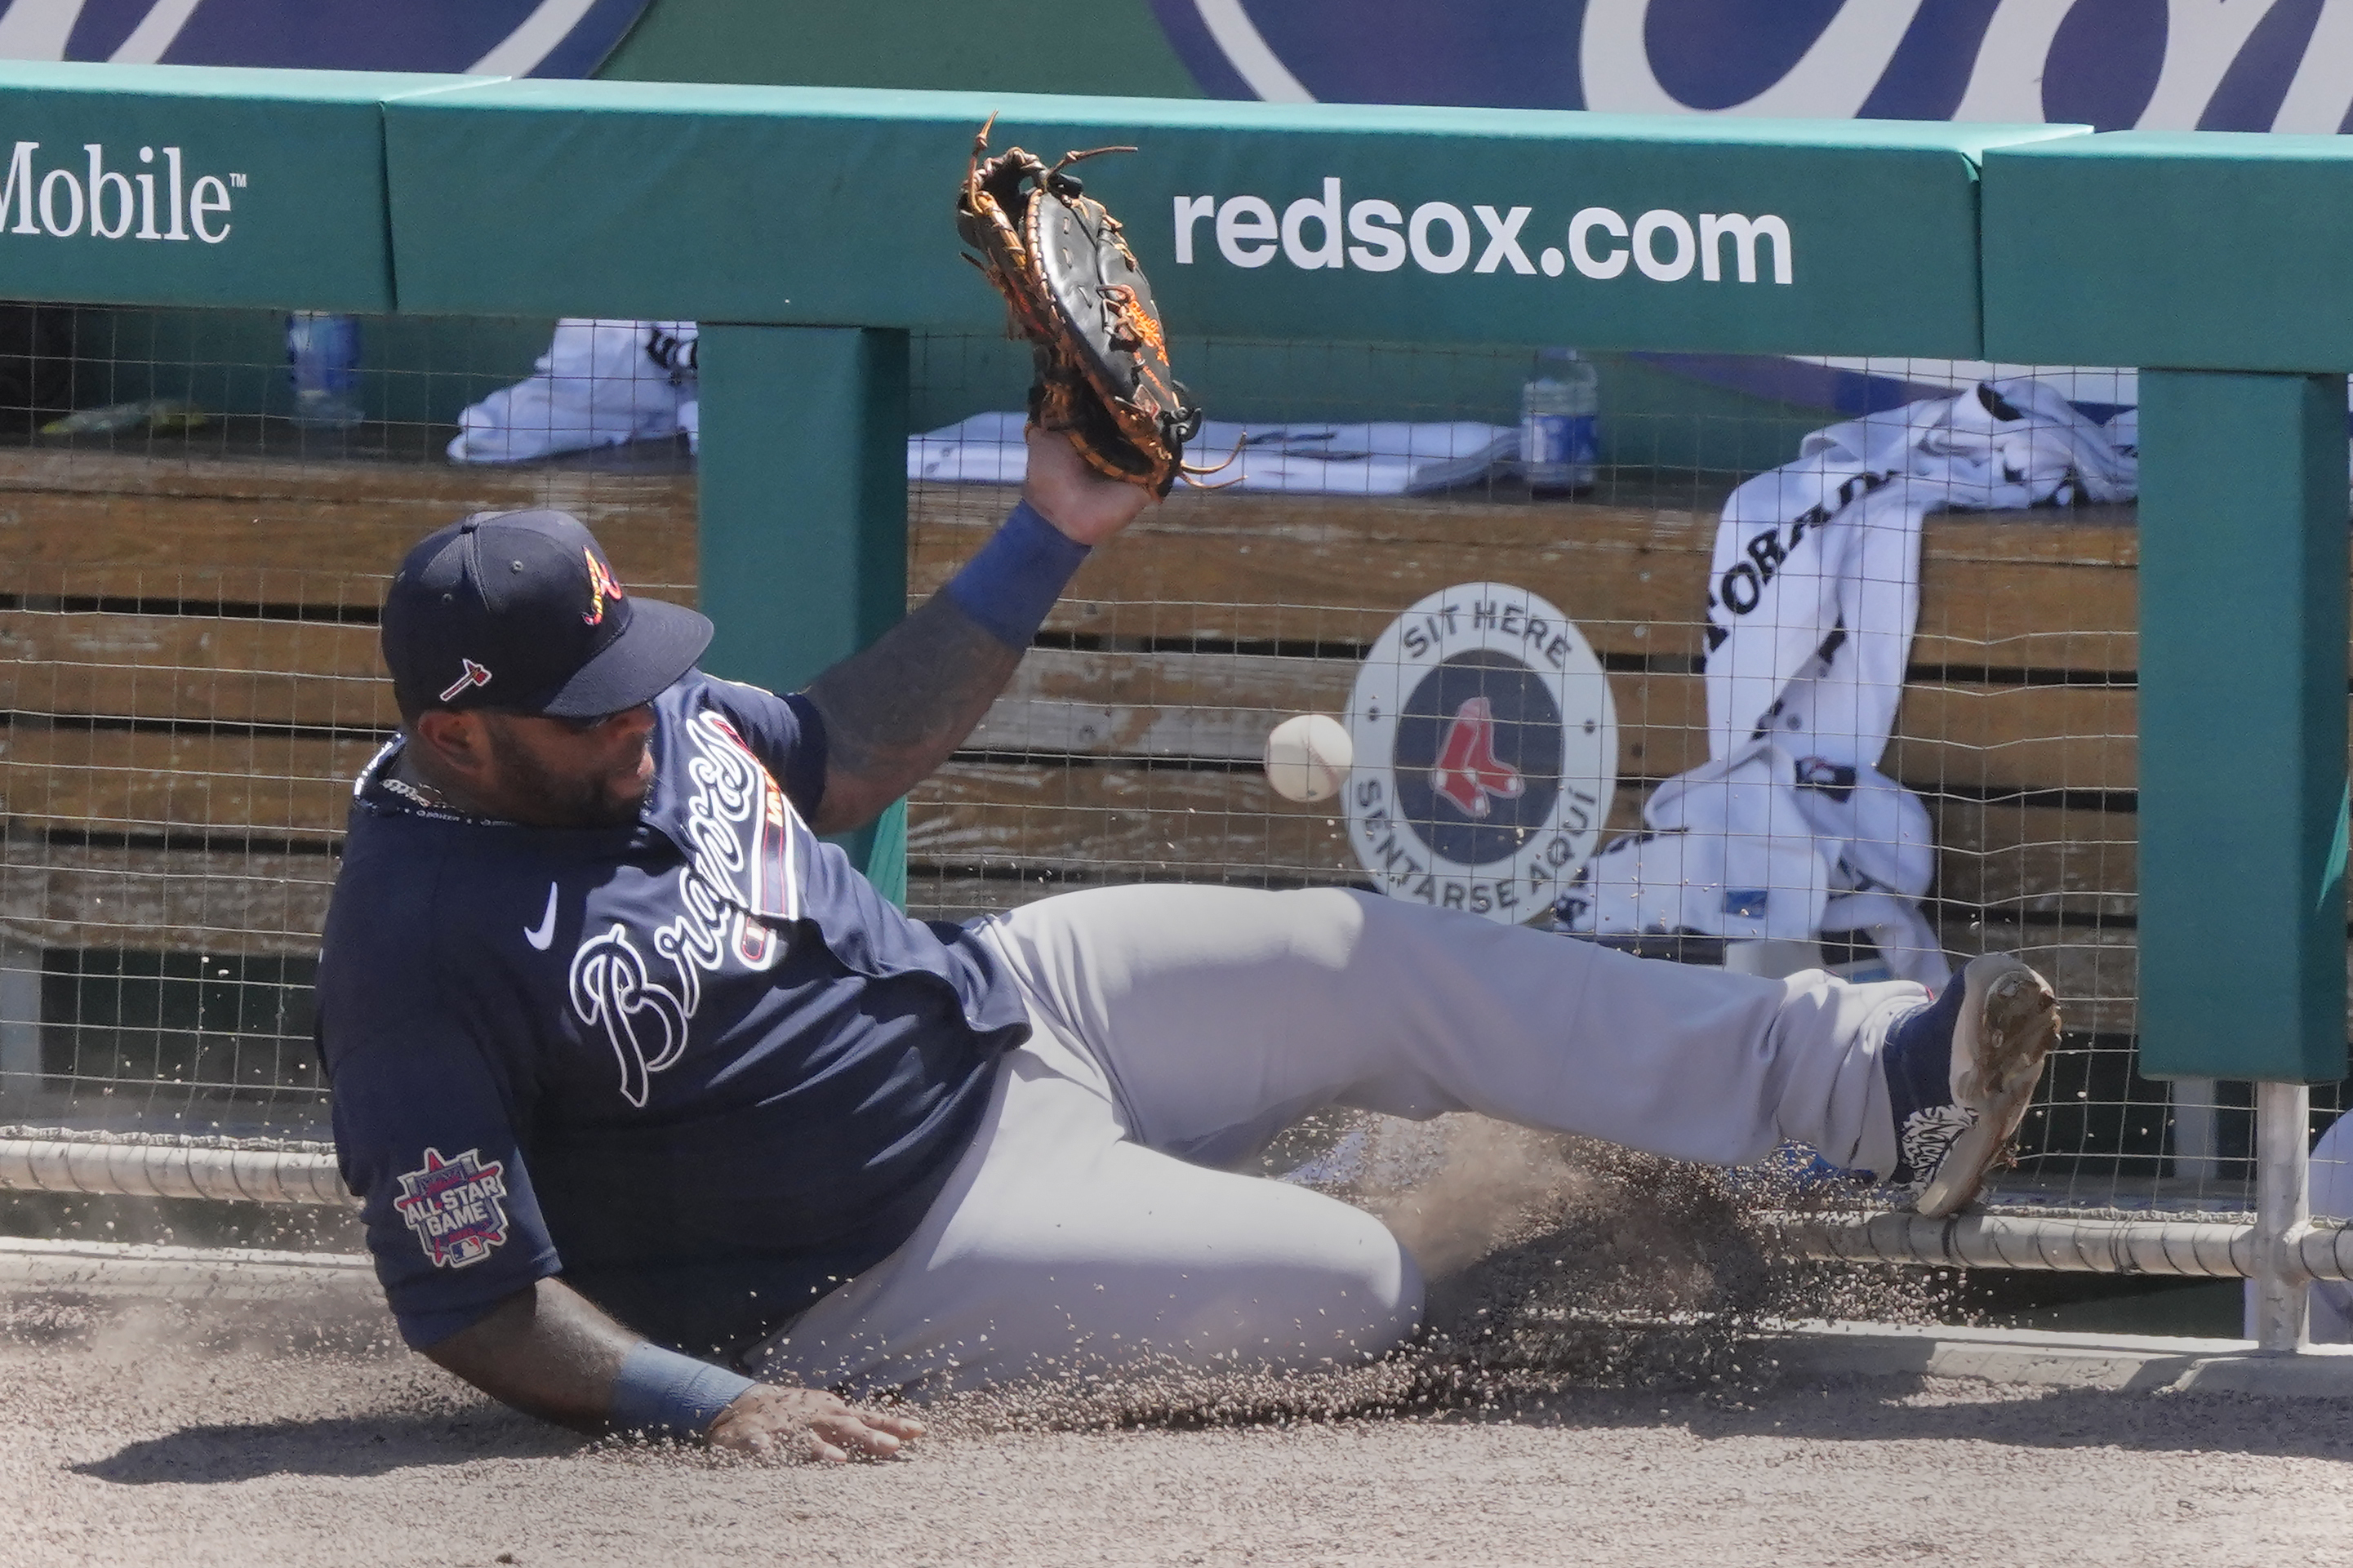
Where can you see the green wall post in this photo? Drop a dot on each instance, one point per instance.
(803, 506)
(2243, 725)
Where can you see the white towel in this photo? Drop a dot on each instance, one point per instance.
(1730, 852)
(1815, 583)
(1813, 591)
(600, 383)
(1387, 457)
(1766, 846)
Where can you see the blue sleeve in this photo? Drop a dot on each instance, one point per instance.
(1010, 584)
(426, 1111)
(786, 733)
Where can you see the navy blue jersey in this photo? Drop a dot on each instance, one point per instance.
(697, 1065)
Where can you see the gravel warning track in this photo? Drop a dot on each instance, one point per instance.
(138, 1439)
(1592, 1391)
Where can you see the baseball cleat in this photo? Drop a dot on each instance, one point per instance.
(1959, 1072)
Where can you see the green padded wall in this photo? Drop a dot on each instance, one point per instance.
(2202, 250)
(830, 205)
(2243, 726)
(803, 502)
(258, 188)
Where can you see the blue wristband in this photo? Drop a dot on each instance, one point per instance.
(660, 1393)
(1007, 588)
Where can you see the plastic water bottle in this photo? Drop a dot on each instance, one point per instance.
(322, 359)
(1560, 411)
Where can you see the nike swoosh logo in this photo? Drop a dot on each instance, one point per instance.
(546, 932)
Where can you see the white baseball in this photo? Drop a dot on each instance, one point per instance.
(1308, 757)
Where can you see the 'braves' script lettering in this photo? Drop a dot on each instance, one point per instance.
(733, 892)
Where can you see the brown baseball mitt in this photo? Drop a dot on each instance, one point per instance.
(1073, 290)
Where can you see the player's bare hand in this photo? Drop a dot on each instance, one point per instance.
(1088, 506)
(808, 1424)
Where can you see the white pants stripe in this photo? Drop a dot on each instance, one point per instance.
(1177, 1029)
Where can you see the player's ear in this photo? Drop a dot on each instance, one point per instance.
(459, 742)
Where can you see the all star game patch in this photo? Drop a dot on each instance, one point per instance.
(455, 1206)
(1486, 752)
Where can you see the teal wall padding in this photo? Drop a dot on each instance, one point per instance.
(2243, 725)
(804, 496)
(805, 204)
(257, 187)
(803, 504)
(2199, 250)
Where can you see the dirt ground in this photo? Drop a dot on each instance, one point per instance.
(1625, 1414)
(124, 1451)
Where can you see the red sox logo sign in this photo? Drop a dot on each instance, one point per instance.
(1486, 752)
(1468, 773)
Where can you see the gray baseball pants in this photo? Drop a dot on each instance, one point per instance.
(1178, 1029)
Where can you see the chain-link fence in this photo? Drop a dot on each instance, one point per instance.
(188, 630)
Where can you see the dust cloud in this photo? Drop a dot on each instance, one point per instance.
(1554, 1263)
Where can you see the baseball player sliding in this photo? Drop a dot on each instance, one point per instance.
(666, 1121)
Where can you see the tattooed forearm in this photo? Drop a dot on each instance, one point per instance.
(895, 711)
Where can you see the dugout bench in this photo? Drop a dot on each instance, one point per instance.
(189, 675)
(189, 670)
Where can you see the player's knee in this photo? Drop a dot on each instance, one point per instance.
(1330, 1287)
(1406, 1298)
(1368, 1299)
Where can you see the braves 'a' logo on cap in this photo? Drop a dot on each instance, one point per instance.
(1468, 773)
(455, 1206)
(601, 587)
(474, 675)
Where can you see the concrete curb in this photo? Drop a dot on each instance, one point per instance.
(2043, 1358)
(183, 1273)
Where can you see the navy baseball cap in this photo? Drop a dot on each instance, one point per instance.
(521, 611)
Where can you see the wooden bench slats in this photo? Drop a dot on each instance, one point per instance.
(1321, 569)
(2014, 860)
(1127, 819)
(1154, 705)
(1958, 736)
(134, 782)
(321, 533)
(2050, 592)
(326, 561)
(323, 477)
(2087, 536)
(1250, 567)
(2095, 970)
(27, 472)
(1975, 737)
(178, 900)
(2017, 859)
(213, 668)
(1220, 706)
(1092, 816)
